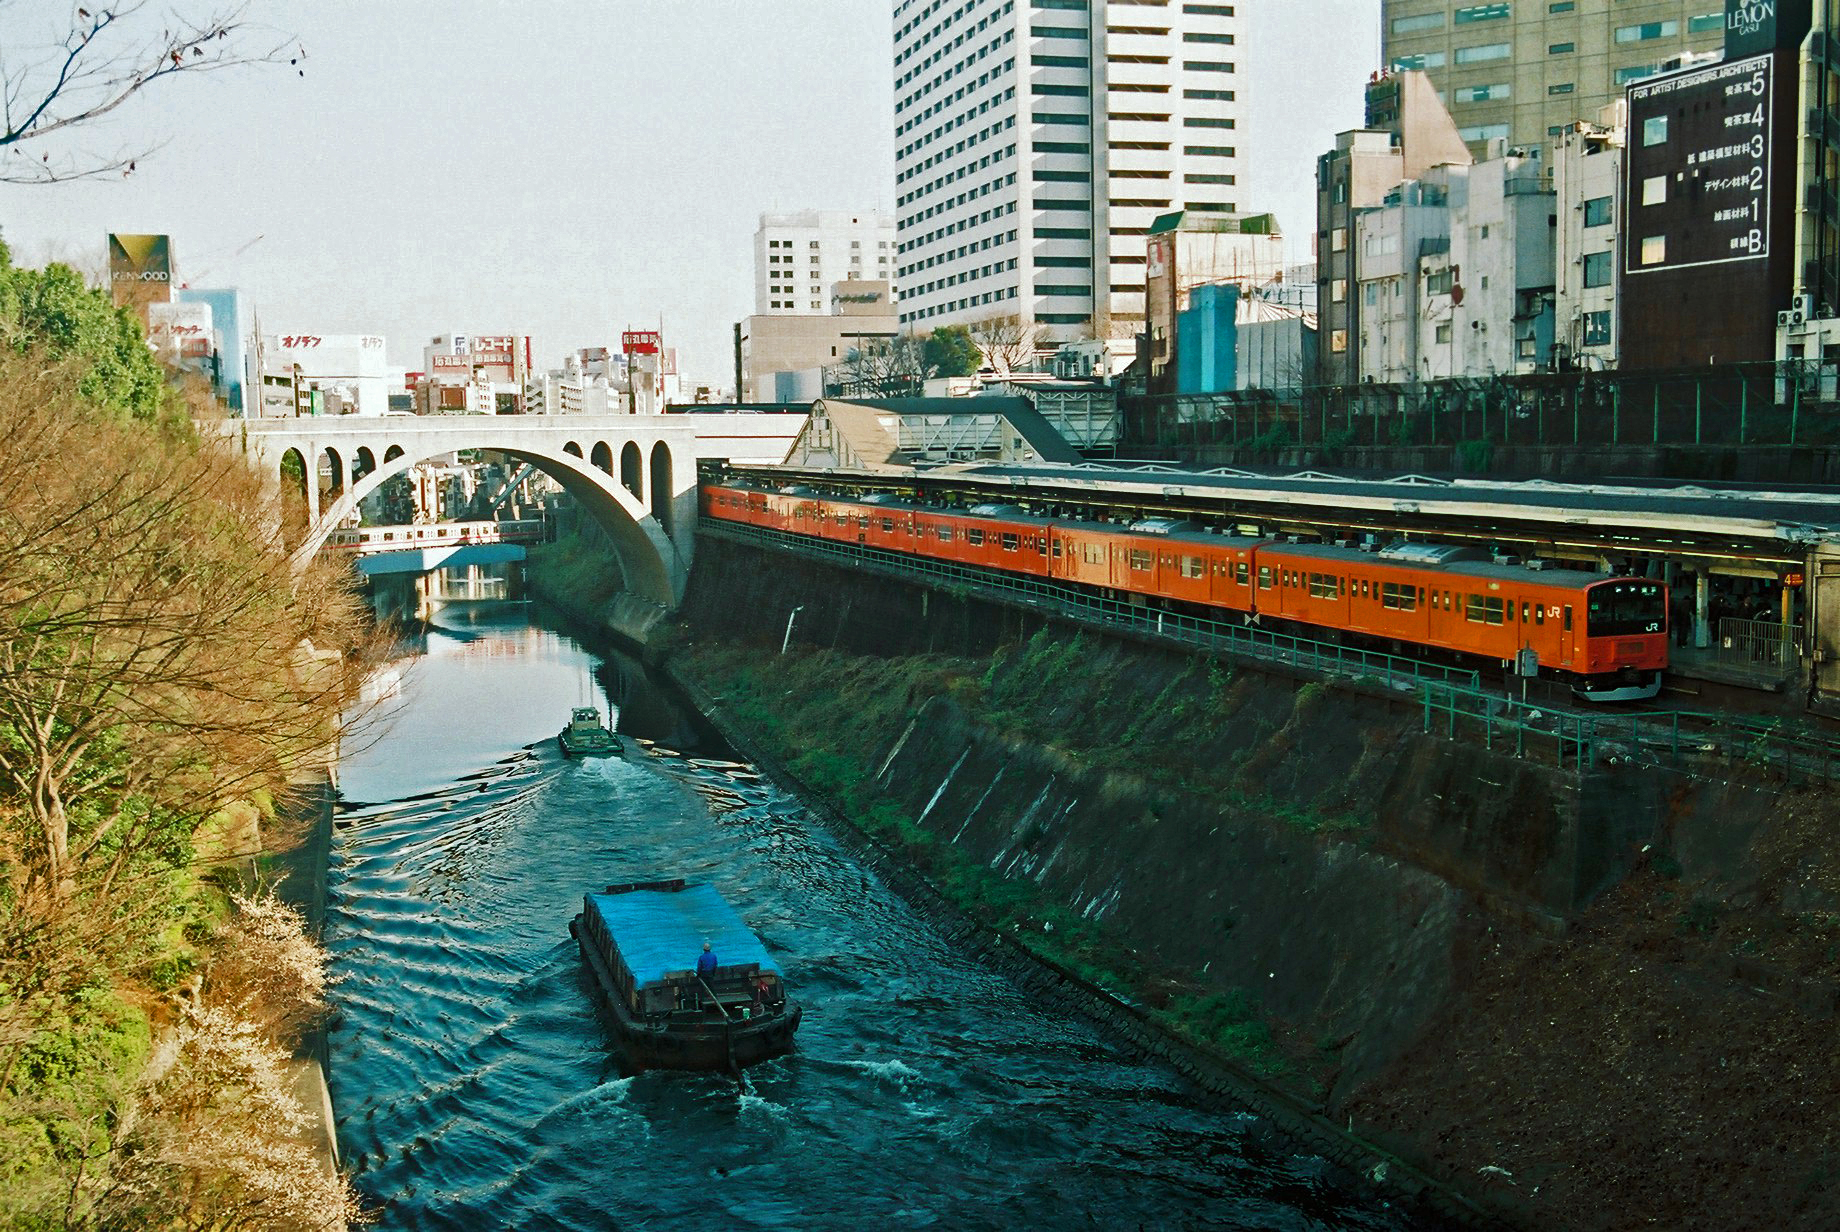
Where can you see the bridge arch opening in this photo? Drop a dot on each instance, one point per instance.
(632, 469)
(392, 453)
(331, 474)
(363, 463)
(572, 448)
(293, 475)
(661, 485)
(602, 458)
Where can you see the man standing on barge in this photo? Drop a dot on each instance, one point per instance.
(705, 964)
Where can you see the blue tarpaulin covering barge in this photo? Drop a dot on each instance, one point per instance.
(641, 942)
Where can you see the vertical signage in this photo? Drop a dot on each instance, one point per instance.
(1698, 167)
(140, 270)
(1756, 26)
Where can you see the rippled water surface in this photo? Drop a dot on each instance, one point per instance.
(475, 1087)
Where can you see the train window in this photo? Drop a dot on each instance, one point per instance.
(862, 520)
(1041, 545)
(974, 536)
(1400, 598)
(887, 525)
(1140, 561)
(1568, 618)
(1241, 571)
(1010, 542)
(1193, 567)
(1483, 609)
(1264, 577)
(944, 533)
(1057, 549)
(1325, 586)
(1524, 611)
(1539, 613)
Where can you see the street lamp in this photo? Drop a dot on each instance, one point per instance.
(790, 617)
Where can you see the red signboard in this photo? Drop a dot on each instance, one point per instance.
(641, 341)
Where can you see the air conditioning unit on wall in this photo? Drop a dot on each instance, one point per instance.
(1804, 308)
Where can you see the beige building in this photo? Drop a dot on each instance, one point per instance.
(781, 357)
(1523, 71)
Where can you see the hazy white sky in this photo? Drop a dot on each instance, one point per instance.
(566, 170)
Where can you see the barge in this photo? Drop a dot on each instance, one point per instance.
(587, 736)
(640, 942)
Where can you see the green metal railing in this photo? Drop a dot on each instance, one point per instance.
(1246, 641)
(1577, 741)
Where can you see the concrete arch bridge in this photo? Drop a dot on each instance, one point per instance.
(635, 475)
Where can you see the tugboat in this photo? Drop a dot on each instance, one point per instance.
(587, 736)
(640, 942)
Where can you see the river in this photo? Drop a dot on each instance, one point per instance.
(474, 1087)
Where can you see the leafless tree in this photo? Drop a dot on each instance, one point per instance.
(1006, 340)
(58, 83)
(883, 368)
(157, 660)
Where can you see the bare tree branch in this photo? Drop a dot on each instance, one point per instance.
(103, 57)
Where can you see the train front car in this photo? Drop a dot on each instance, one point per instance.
(1625, 640)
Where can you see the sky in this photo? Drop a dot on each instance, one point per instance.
(562, 169)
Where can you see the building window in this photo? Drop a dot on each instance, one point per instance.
(1207, 66)
(1483, 132)
(1596, 269)
(1561, 49)
(1484, 52)
(1425, 21)
(1443, 331)
(1480, 12)
(1654, 190)
(1204, 151)
(1563, 87)
(1654, 249)
(1338, 239)
(1206, 122)
(1705, 22)
(1623, 76)
(1425, 59)
(1597, 328)
(1338, 341)
(1193, 36)
(1338, 290)
(1598, 212)
(1483, 94)
(1198, 178)
(1646, 31)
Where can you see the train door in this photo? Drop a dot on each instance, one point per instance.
(1568, 633)
(1824, 619)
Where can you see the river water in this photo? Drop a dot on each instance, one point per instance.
(475, 1088)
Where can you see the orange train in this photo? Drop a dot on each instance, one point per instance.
(1606, 636)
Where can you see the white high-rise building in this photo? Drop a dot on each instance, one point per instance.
(798, 256)
(1037, 140)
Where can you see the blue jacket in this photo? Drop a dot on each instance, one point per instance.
(706, 964)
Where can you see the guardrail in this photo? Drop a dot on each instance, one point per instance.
(1246, 641)
(1764, 647)
(1575, 741)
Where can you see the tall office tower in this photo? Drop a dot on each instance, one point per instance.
(1524, 71)
(1036, 141)
(798, 256)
